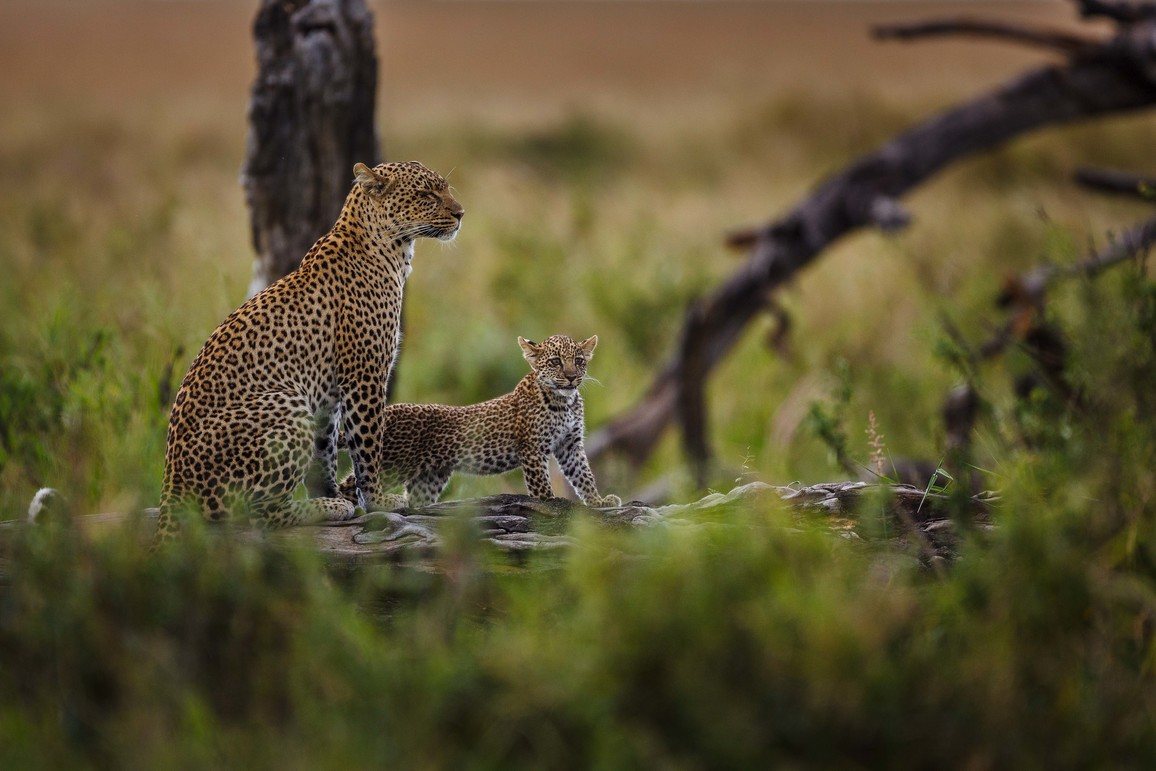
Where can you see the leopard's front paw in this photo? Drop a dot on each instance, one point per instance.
(605, 502)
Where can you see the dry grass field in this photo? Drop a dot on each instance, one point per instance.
(602, 150)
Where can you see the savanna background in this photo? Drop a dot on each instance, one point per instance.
(602, 152)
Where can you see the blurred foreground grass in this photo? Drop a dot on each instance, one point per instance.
(756, 639)
(747, 639)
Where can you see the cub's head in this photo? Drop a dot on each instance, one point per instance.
(412, 201)
(559, 361)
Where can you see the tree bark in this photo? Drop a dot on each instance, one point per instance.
(311, 117)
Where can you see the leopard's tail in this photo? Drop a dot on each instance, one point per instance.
(167, 524)
(40, 502)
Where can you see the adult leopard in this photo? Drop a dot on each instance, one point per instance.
(304, 359)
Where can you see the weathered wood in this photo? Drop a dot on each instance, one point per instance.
(519, 524)
(1115, 77)
(311, 118)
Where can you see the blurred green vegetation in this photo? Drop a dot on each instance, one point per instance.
(743, 640)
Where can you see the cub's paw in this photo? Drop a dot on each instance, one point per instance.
(605, 502)
(347, 489)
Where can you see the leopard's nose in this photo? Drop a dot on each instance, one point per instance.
(458, 214)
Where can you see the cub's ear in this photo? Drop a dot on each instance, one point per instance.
(588, 346)
(530, 350)
(371, 181)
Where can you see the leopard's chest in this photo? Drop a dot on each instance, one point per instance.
(549, 427)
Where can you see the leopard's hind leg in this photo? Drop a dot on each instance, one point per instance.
(247, 457)
(426, 487)
(310, 511)
(322, 478)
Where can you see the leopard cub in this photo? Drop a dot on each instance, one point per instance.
(423, 444)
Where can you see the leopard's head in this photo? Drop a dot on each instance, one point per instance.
(408, 200)
(558, 361)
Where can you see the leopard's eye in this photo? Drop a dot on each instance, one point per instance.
(579, 361)
(555, 362)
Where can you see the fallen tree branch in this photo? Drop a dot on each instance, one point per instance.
(1115, 77)
(1122, 12)
(1117, 182)
(1059, 40)
(519, 524)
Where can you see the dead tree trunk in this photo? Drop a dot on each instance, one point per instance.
(311, 117)
(1101, 77)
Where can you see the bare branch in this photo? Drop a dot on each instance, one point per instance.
(1117, 182)
(742, 240)
(1127, 246)
(1116, 10)
(1054, 39)
(1119, 76)
(888, 215)
(1023, 296)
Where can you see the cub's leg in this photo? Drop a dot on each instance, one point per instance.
(571, 454)
(427, 487)
(536, 471)
(347, 489)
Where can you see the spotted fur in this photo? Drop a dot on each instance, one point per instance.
(543, 416)
(305, 358)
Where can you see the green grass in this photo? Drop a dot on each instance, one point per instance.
(746, 639)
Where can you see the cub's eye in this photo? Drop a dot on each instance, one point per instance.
(555, 362)
(579, 361)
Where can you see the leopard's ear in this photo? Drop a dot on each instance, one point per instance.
(372, 181)
(588, 346)
(530, 350)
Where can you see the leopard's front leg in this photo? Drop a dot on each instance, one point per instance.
(536, 470)
(363, 423)
(571, 454)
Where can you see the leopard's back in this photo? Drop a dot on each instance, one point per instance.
(474, 439)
